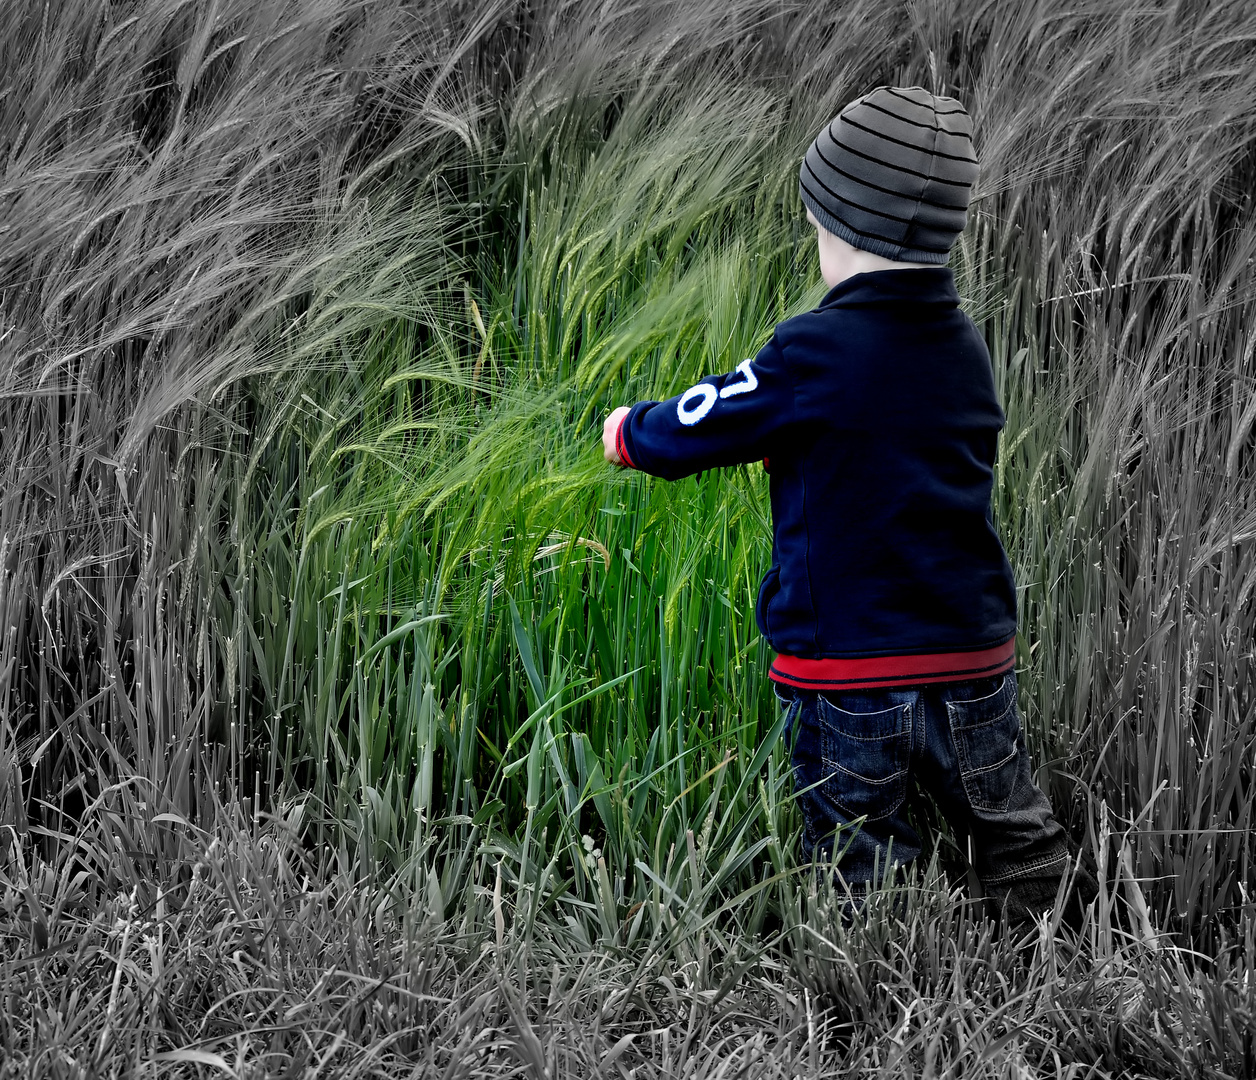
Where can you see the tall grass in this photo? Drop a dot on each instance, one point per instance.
(308, 319)
(1118, 328)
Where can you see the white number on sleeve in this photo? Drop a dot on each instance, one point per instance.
(695, 403)
(748, 382)
(698, 400)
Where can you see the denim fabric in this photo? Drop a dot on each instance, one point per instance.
(855, 754)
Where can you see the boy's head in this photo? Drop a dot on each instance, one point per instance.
(892, 174)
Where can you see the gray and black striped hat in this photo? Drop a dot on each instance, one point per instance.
(892, 174)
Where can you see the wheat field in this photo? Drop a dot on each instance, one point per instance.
(356, 719)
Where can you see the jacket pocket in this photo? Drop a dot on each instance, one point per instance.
(987, 731)
(864, 758)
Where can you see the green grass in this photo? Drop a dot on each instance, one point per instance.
(313, 577)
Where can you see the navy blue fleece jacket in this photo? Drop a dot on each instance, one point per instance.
(878, 416)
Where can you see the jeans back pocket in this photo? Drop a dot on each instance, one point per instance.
(864, 757)
(986, 732)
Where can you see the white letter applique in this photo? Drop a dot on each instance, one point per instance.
(695, 403)
(748, 382)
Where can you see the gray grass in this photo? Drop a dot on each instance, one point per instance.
(252, 426)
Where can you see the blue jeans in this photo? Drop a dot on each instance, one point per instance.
(855, 753)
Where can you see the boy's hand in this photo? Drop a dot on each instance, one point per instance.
(610, 428)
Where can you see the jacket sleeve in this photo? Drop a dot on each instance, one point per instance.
(722, 420)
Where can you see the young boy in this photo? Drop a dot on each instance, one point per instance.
(890, 603)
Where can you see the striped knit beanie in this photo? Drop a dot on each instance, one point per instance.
(892, 174)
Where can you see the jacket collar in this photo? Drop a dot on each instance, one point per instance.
(918, 285)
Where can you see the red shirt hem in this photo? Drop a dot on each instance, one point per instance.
(866, 673)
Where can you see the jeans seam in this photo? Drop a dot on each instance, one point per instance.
(1025, 869)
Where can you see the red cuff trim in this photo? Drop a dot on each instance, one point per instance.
(835, 673)
(620, 448)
